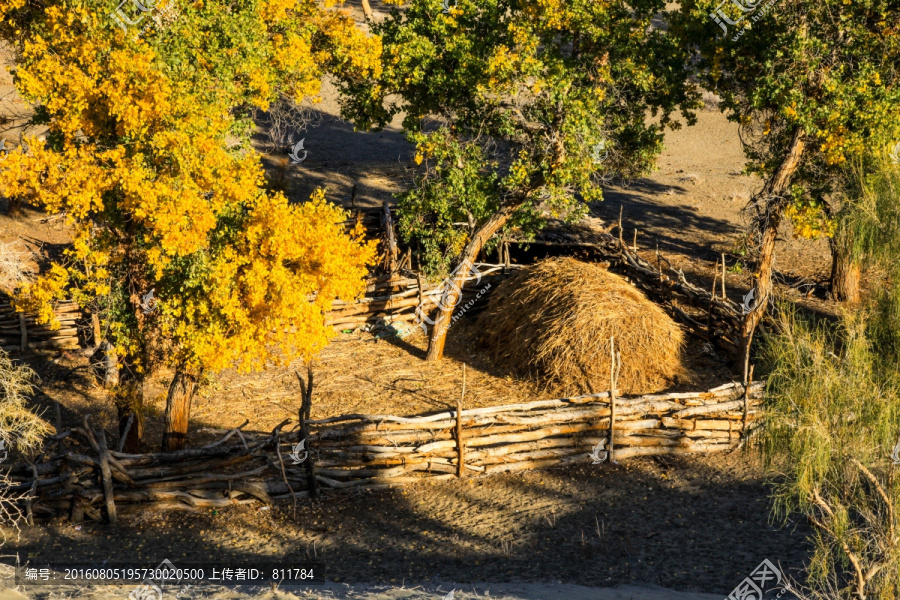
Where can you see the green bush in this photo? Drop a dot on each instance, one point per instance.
(832, 420)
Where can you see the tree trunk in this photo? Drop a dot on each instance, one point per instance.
(126, 389)
(844, 274)
(106, 362)
(304, 413)
(129, 400)
(454, 284)
(178, 410)
(773, 195)
(14, 207)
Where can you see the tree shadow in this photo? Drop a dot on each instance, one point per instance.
(686, 523)
(337, 158)
(672, 226)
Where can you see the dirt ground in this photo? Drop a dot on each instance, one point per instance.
(698, 524)
(520, 591)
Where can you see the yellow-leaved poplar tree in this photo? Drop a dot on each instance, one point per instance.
(148, 156)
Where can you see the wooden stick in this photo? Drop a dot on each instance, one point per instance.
(724, 297)
(612, 398)
(749, 377)
(59, 429)
(421, 303)
(29, 508)
(229, 434)
(621, 243)
(284, 477)
(367, 11)
(89, 434)
(539, 404)
(106, 475)
(95, 330)
(460, 445)
(124, 435)
(24, 328)
(712, 300)
(659, 265)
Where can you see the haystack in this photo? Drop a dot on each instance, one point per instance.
(554, 321)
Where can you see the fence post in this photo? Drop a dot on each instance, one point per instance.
(22, 326)
(460, 445)
(748, 379)
(613, 376)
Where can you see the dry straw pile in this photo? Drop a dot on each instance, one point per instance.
(554, 321)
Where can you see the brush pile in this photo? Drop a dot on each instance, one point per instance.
(554, 321)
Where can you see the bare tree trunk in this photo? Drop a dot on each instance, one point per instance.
(773, 198)
(14, 207)
(129, 400)
(305, 409)
(126, 389)
(178, 410)
(844, 274)
(445, 310)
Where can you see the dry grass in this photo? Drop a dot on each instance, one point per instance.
(554, 321)
(15, 267)
(19, 427)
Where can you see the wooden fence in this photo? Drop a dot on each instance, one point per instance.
(394, 297)
(81, 477)
(20, 331)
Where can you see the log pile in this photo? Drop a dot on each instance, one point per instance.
(85, 478)
(89, 478)
(20, 331)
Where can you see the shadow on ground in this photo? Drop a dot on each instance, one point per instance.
(338, 158)
(694, 524)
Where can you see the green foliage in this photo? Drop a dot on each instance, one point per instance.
(833, 410)
(869, 221)
(509, 104)
(832, 419)
(829, 67)
(459, 189)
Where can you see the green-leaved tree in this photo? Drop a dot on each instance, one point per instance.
(518, 110)
(814, 86)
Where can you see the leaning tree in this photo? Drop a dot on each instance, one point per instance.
(814, 87)
(518, 110)
(177, 246)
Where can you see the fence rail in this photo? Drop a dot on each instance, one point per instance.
(375, 451)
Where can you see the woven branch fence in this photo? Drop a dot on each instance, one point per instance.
(395, 297)
(20, 331)
(83, 477)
